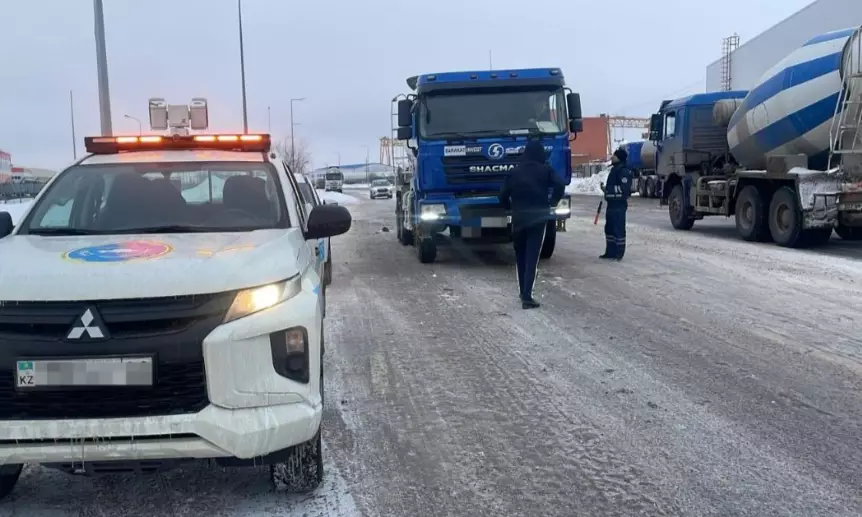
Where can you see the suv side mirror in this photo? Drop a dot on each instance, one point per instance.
(6, 224)
(328, 221)
(573, 102)
(655, 127)
(405, 113)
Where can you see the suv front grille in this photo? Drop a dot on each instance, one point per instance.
(171, 329)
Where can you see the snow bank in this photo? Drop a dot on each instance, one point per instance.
(16, 210)
(591, 185)
(336, 197)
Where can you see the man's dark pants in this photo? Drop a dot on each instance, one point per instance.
(615, 230)
(528, 246)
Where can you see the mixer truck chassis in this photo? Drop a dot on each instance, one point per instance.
(794, 209)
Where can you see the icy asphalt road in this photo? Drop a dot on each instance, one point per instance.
(703, 376)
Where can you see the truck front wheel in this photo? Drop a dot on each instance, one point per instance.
(550, 241)
(678, 210)
(752, 215)
(427, 250)
(785, 219)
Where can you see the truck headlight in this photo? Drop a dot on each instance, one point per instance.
(564, 207)
(256, 299)
(432, 212)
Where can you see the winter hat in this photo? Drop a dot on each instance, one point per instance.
(621, 154)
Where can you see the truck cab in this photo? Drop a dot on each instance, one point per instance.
(467, 131)
(334, 179)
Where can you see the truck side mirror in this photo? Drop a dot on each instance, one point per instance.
(405, 113)
(405, 133)
(573, 102)
(655, 127)
(576, 126)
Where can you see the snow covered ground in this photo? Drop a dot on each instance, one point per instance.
(337, 197)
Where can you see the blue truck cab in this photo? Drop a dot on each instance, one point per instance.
(466, 131)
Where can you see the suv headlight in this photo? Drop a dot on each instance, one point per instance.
(564, 207)
(256, 299)
(432, 212)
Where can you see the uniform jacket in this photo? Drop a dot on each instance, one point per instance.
(527, 190)
(618, 188)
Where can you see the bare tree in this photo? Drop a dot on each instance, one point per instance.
(299, 158)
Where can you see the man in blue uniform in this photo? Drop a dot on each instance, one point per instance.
(530, 190)
(617, 192)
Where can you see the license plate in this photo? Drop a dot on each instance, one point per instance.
(101, 371)
(495, 222)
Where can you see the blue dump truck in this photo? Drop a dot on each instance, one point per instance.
(784, 159)
(466, 131)
(641, 162)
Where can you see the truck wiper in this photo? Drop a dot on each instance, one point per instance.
(465, 134)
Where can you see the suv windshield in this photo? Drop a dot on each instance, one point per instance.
(379, 183)
(449, 114)
(160, 198)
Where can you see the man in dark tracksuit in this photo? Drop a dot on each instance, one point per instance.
(527, 193)
(617, 192)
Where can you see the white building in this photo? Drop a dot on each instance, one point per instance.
(755, 56)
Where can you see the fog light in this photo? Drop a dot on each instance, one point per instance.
(290, 353)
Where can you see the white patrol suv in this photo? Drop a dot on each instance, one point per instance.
(160, 302)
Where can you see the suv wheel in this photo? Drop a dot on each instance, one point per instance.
(303, 469)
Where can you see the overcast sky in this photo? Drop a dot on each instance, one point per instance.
(348, 57)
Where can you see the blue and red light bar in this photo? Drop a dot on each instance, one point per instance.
(229, 142)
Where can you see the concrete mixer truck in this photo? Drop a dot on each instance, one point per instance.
(785, 159)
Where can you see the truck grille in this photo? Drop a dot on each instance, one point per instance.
(171, 329)
(477, 169)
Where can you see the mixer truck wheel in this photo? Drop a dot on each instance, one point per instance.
(642, 187)
(650, 188)
(785, 219)
(849, 233)
(752, 215)
(677, 208)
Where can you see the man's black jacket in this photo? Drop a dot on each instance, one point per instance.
(527, 189)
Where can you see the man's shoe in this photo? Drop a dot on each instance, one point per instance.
(606, 256)
(530, 304)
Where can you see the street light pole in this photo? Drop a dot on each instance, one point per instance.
(102, 69)
(292, 141)
(367, 154)
(242, 70)
(74, 138)
(268, 119)
(136, 119)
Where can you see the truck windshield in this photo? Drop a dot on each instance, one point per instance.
(334, 176)
(488, 113)
(160, 198)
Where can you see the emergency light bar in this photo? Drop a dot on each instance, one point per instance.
(115, 144)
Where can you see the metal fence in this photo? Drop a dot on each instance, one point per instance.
(11, 191)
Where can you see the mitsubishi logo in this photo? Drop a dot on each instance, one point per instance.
(88, 326)
(495, 151)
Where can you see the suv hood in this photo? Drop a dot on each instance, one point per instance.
(47, 268)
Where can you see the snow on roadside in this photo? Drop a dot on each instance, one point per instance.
(337, 197)
(16, 210)
(591, 185)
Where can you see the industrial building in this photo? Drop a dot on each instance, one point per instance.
(741, 65)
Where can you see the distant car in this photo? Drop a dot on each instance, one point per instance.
(381, 188)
